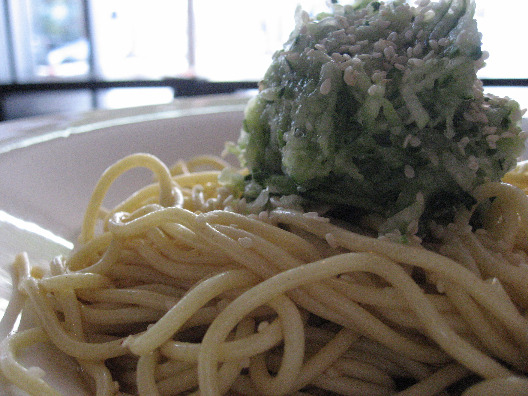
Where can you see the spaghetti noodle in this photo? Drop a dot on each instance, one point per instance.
(182, 291)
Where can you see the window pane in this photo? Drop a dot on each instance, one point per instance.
(234, 40)
(118, 98)
(5, 72)
(504, 28)
(50, 39)
(140, 38)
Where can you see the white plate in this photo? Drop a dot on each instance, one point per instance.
(47, 175)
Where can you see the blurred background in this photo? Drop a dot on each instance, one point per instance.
(77, 55)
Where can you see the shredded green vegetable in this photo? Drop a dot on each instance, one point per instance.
(376, 106)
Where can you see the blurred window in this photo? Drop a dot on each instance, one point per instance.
(231, 40)
(50, 39)
(223, 40)
(5, 64)
(140, 39)
(239, 44)
(504, 28)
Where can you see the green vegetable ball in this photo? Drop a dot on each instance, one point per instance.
(376, 107)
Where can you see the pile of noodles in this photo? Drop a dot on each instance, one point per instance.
(178, 290)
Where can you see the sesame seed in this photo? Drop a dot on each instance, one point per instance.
(378, 76)
(349, 76)
(408, 170)
(435, 161)
(326, 86)
(428, 15)
(443, 42)
(416, 62)
(473, 163)
(415, 141)
(356, 61)
(342, 21)
(463, 142)
(345, 64)
(407, 140)
(412, 228)
(293, 56)
(430, 55)
(417, 50)
(339, 34)
(393, 36)
(337, 57)
(489, 130)
(492, 141)
(402, 59)
(376, 90)
(379, 45)
(389, 52)
(433, 44)
(449, 133)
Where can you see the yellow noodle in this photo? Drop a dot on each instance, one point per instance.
(74, 281)
(21, 269)
(351, 386)
(162, 330)
(185, 278)
(244, 348)
(292, 360)
(144, 298)
(104, 383)
(15, 372)
(325, 357)
(487, 333)
(438, 381)
(60, 338)
(135, 160)
(146, 382)
(363, 371)
(332, 266)
(510, 386)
